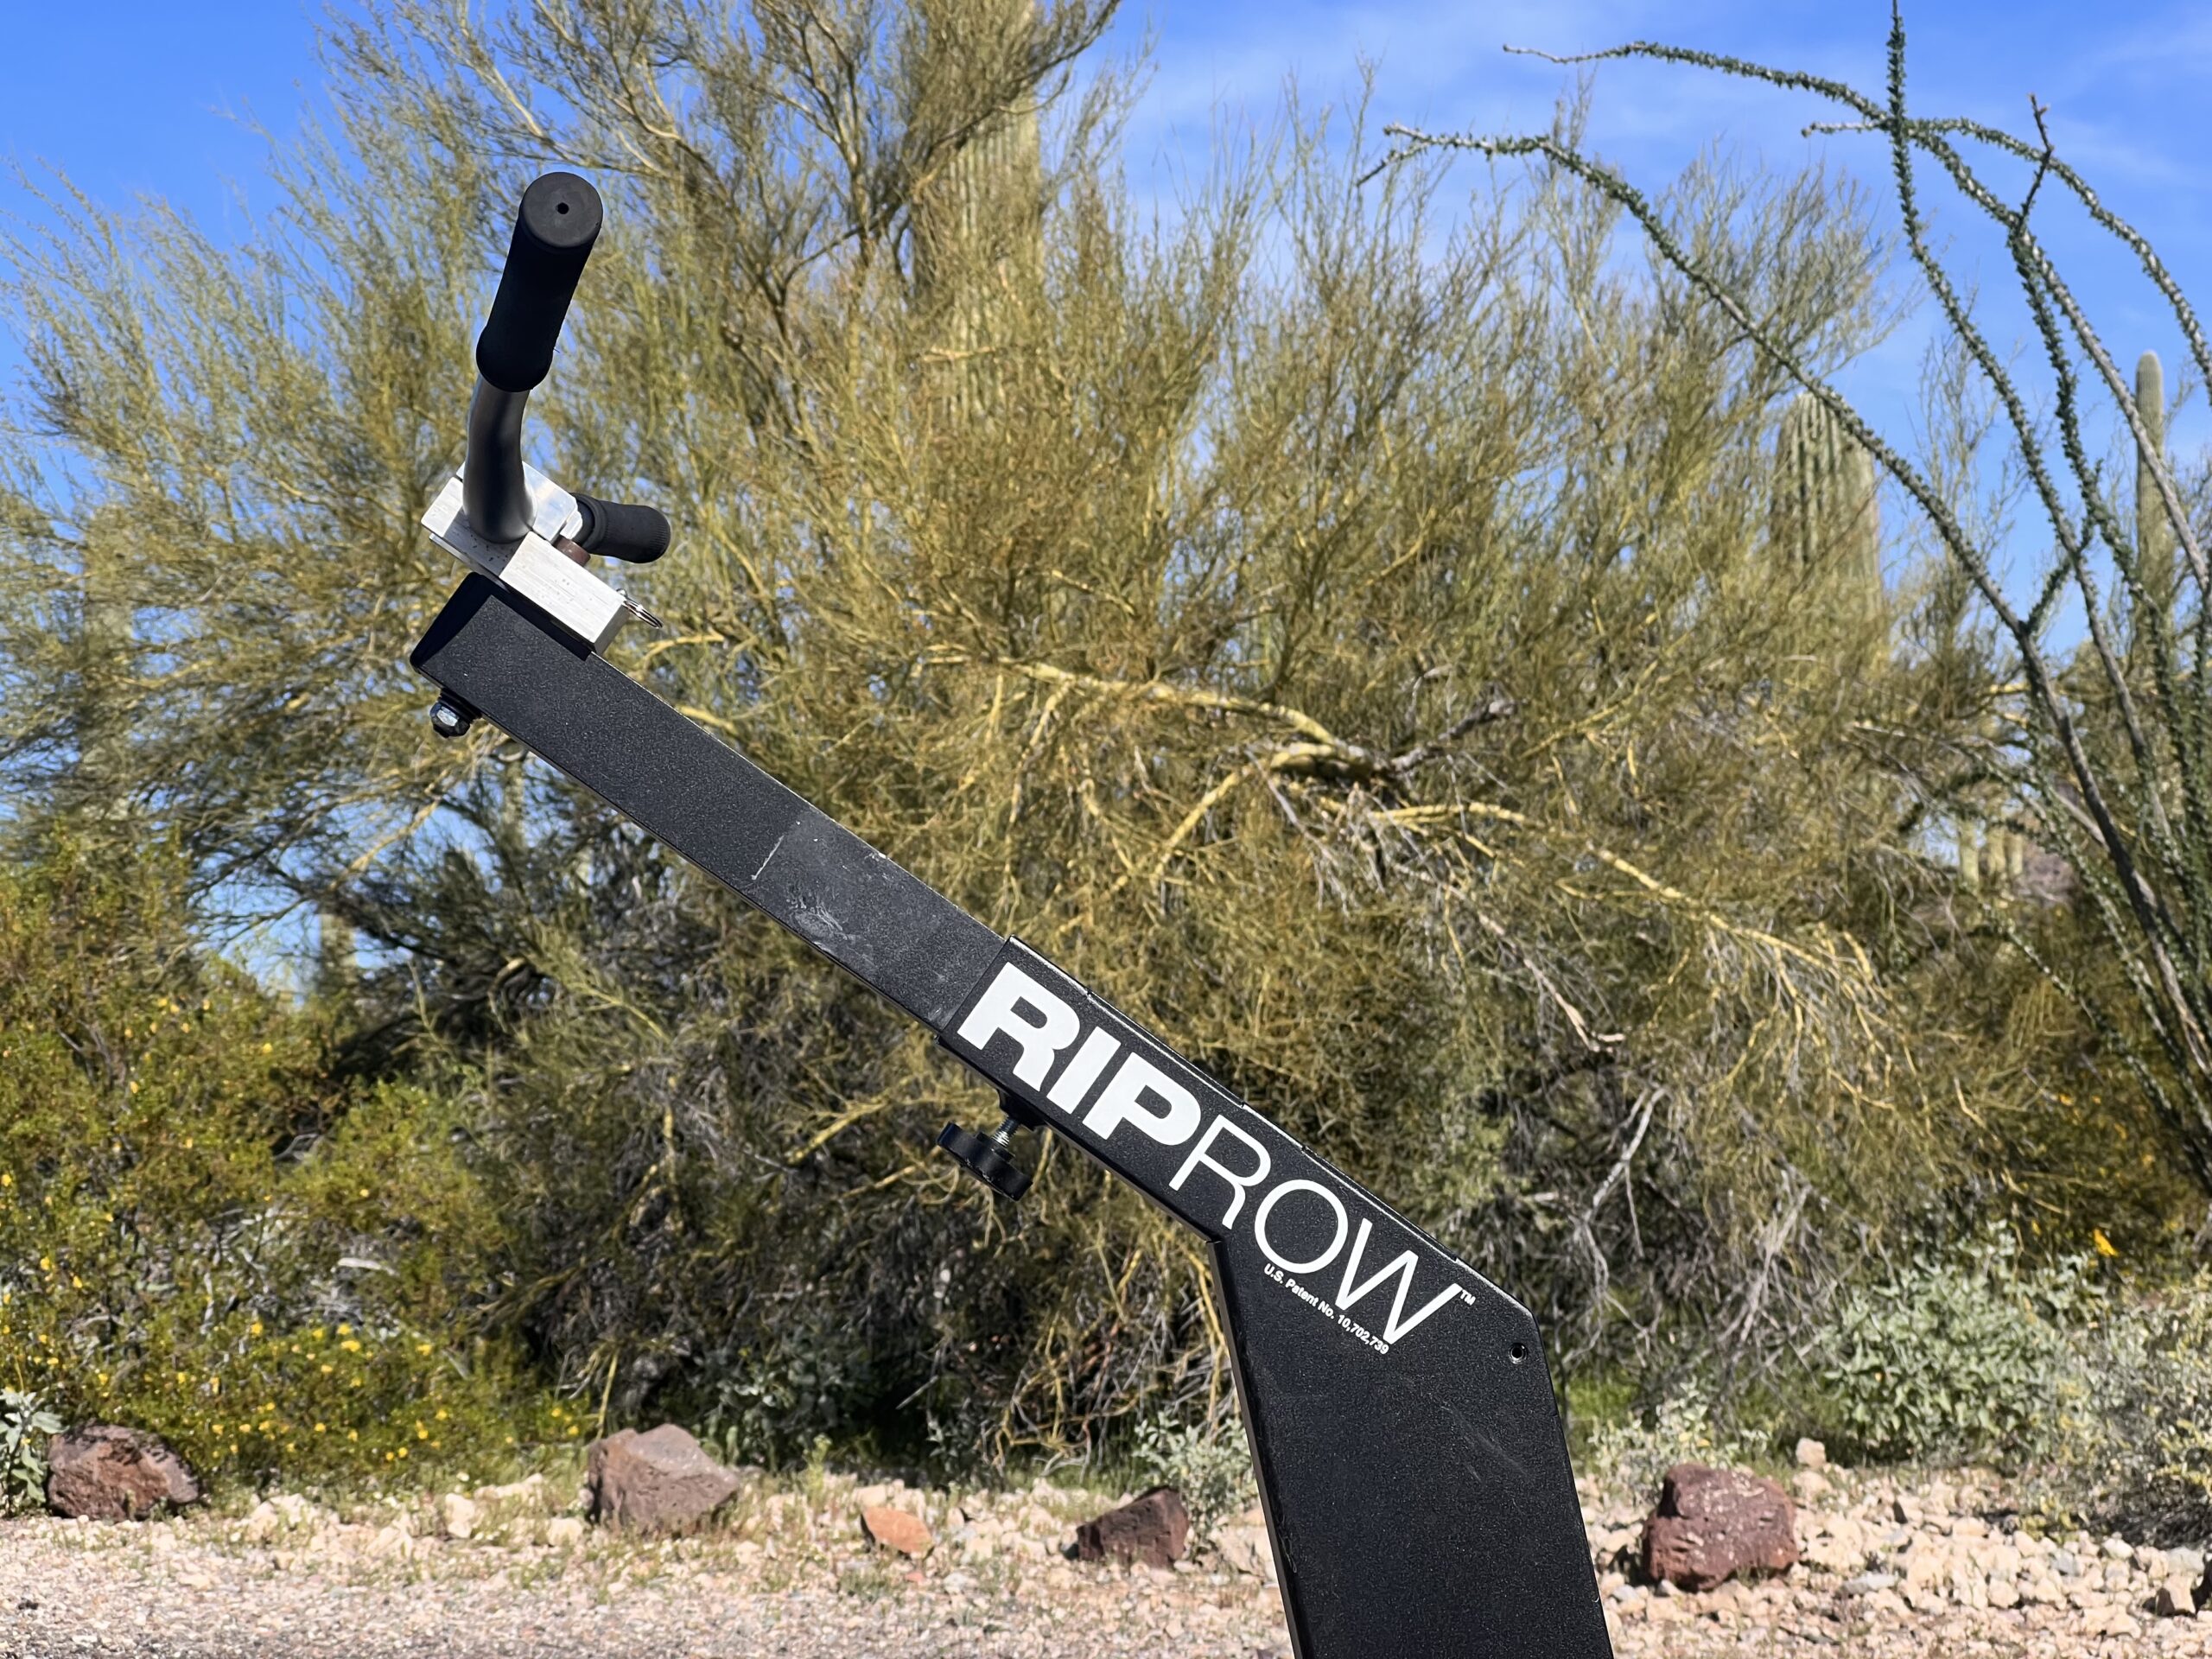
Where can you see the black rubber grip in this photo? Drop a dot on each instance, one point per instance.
(639, 535)
(555, 227)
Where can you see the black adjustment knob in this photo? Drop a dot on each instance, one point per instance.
(988, 1159)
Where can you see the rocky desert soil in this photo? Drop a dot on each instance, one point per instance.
(1936, 1570)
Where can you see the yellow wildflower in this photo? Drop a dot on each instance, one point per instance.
(2105, 1245)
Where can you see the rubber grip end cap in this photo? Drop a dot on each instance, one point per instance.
(561, 212)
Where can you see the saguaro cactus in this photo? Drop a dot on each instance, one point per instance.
(337, 969)
(2154, 538)
(978, 223)
(1827, 507)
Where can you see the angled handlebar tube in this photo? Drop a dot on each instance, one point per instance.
(1410, 1456)
(555, 226)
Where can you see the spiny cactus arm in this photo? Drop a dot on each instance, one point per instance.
(2168, 850)
(1930, 134)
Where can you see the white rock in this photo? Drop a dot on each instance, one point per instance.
(1245, 1550)
(2109, 1620)
(2118, 1548)
(1811, 1454)
(1810, 1485)
(263, 1524)
(566, 1532)
(458, 1514)
(514, 1491)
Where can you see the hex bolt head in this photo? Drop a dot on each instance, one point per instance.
(449, 720)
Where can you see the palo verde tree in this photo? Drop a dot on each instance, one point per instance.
(1343, 623)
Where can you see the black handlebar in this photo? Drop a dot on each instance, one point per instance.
(557, 223)
(555, 228)
(619, 532)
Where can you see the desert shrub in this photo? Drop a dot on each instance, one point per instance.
(26, 1426)
(2133, 1449)
(1684, 1427)
(773, 1407)
(1209, 1463)
(1341, 622)
(1961, 1353)
(203, 1231)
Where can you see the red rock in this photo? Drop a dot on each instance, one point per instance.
(661, 1481)
(896, 1530)
(1713, 1524)
(105, 1472)
(1153, 1530)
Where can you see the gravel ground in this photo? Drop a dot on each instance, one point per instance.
(791, 1578)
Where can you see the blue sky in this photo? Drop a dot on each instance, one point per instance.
(137, 97)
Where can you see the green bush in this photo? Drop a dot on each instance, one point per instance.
(1209, 1463)
(203, 1231)
(25, 1426)
(1963, 1354)
(1638, 1449)
(2135, 1447)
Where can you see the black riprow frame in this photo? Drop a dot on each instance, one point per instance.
(1408, 1449)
